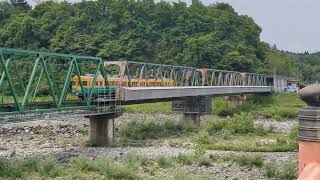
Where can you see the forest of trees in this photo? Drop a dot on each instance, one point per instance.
(212, 36)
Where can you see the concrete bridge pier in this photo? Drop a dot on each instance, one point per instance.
(193, 118)
(235, 101)
(192, 108)
(101, 129)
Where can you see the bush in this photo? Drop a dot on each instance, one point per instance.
(184, 159)
(172, 128)
(270, 169)
(215, 126)
(288, 172)
(260, 130)
(203, 137)
(199, 150)
(220, 107)
(241, 123)
(164, 162)
(204, 161)
(140, 130)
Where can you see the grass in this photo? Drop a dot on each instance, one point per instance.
(250, 143)
(182, 176)
(129, 167)
(277, 106)
(159, 107)
(78, 168)
(278, 112)
(240, 134)
(22, 168)
(280, 106)
(106, 167)
(243, 160)
(237, 133)
(252, 148)
(203, 160)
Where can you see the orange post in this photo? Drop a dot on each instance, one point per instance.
(309, 152)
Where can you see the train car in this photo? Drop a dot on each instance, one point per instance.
(114, 82)
(87, 83)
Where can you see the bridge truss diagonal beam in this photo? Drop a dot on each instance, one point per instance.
(37, 82)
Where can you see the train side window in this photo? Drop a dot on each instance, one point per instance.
(84, 83)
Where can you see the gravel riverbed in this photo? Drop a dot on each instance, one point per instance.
(64, 137)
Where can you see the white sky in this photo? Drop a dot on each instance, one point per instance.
(292, 25)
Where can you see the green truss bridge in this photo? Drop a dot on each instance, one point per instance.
(35, 84)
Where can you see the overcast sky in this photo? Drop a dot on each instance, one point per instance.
(292, 25)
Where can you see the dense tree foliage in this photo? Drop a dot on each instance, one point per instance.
(212, 36)
(206, 36)
(308, 65)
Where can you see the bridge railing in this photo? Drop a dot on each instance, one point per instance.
(185, 76)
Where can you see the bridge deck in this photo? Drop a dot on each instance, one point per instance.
(158, 93)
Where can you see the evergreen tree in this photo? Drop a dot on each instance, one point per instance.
(21, 4)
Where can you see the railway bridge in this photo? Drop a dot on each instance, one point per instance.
(39, 83)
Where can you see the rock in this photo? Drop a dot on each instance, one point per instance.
(12, 153)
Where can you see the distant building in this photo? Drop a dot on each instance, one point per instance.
(282, 84)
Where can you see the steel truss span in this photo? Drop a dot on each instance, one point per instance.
(37, 83)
